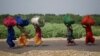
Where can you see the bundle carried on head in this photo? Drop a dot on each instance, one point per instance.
(38, 21)
(21, 22)
(9, 21)
(88, 20)
(68, 20)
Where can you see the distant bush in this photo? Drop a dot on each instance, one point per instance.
(52, 30)
(97, 19)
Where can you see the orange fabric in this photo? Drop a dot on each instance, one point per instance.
(23, 40)
(37, 40)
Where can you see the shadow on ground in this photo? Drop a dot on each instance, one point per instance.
(52, 45)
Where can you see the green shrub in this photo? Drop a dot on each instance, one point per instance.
(52, 30)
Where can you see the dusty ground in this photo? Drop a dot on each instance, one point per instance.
(52, 47)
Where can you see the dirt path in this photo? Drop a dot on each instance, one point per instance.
(52, 47)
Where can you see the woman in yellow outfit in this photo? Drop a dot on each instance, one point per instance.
(37, 38)
(22, 41)
(24, 35)
(38, 22)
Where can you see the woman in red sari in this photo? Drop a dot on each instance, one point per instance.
(38, 35)
(87, 22)
(89, 34)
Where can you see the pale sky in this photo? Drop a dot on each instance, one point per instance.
(81, 7)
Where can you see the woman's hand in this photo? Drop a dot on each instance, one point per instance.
(83, 26)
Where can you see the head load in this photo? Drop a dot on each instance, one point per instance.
(21, 22)
(68, 20)
(9, 21)
(88, 20)
(39, 21)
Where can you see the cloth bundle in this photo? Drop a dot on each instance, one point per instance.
(68, 20)
(87, 20)
(9, 21)
(21, 22)
(38, 21)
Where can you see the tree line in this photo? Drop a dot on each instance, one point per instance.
(53, 18)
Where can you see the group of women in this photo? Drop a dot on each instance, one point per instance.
(86, 22)
(38, 22)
